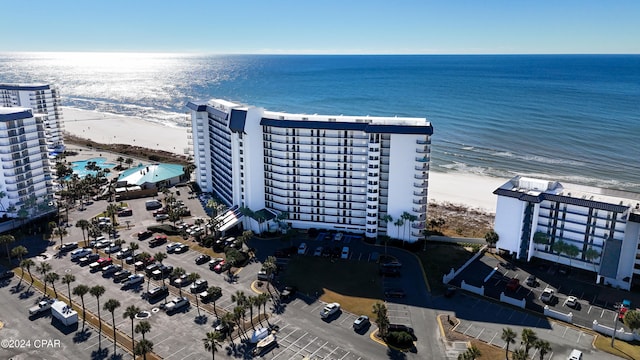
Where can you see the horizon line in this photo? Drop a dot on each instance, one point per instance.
(308, 53)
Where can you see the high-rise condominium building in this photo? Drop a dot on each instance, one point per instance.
(25, 179)
(360, 174)
(593, 229)
(44, 100)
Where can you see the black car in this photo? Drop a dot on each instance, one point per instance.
(110, 270)
(181, 249)
(451, 290)
(288, 293)
(144, 234)
(157, 293)
(202, 259)
(6, 275)
(395, 293)
(88, 259)
(121, 275)
(68, 247)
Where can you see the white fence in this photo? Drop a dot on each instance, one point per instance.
(515, 302)
(558, 315)
(473, 289)
(620, 334)
(453, 273)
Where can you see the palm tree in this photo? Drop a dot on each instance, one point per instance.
(529, 338)
(19, 252)
(214, 293)
(558, 247)
(543, 347)
(52, 277)
(27, 264)
(509, 336)
(472, 353)
(160, 256)
(263, 299)
(241, 299)
(60, 231)
(177, 272)
(120, 159)
(571, 251)
(81, 290)
(227, 321)
(405, 220)
(97, 291)
(590, 255)
(387, 219)
(111, 305)
(43, 269)
(128, 161)
(398, 223)
(251, 302)
(143, 327)
(130, 312)
(112, 210)
(68, 279)
(7, 239)
(519, 354)
(192, 278)
(142, 348)
(411, 218)
(382, 320)
(133, 246)
(491, 237)
(212, 341)
(238, 314)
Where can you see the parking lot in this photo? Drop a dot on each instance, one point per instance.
(594, 302)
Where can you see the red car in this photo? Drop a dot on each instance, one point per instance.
(513, 284)
(218, 267)
(104, 262)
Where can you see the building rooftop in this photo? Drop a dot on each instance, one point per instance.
(24, 86)
(151, 173)
(14, 113)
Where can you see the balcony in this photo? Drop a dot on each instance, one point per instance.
(420, 209)
(423, 142)
(418, 225)
(423, 150)
(420, 185)
(423, 176)
(419, 193)
(422, 201)
(423, 167)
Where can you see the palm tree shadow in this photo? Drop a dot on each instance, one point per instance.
(100, 354)
(17, 288)
(116, 357)
(82, 336)
(201, 319)
(395, 354)
(26, 294)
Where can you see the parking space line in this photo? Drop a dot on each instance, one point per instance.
(345, 355)
(510, 316)
(480, 333)
(465, 332)
(589, 311)
(602, 314)
(175, 352)
(494, 336)
(565, 331)
(580, 333)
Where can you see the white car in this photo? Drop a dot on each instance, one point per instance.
(133, 280)
(572, 301)
(318, 251)
(345, 253)
(547, 295)
(176, 304)
(302, 249)
(329, 310)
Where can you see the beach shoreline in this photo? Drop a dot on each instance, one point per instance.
(469, 190)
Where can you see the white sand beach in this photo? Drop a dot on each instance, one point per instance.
(118, 129)
(458, 188)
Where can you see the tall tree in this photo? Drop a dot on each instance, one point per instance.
(263, 299)
(399, 222)
(143, 348)
(160, 257)
(212, 341)
(405, 220)
(382, 319)
(491, 237)
(543, 347)
(81, 290)
(52, 277)
(130, 312)
(509, 336)
(7, 239)
(591, 255)
(176, 273)
(143, 327)
(558, 247)
(44, 269)
(68, 279)
(571, 251)
(214, 293)
(529, 338)
(98, 291)
(61, 232)
(111, 305)
(388, 219)
(19, 252)
(192, 279)
(632, 319)
(27, 264)
(520, 354)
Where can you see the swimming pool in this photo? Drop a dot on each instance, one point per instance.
(78, 167)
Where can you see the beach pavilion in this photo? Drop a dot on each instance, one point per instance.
(153, 176)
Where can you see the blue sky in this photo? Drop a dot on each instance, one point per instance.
(326, 26)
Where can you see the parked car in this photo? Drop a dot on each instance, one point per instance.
(531, 280)
(572, 302)
(6, 275)
(112, 249)
(79, 253)
(345, 253)
(68, 247)
(171, 247)
(288, 292)
(318, 251)
(110, 270)
(203, 258)
(329, 310)
(513, 285)
(265, 345)
(158, 240)
(157, 293)
(88, 259)
(133, 280)
(218, 267)
(575, 355)
(361, 322)
(144, 234)
(161, 217)
(180, 281)
(547, 295)
(125, 212)
(124, 253)
(176, 304)
(395, 293)
(198, 286)
(121, 275)
(302, 249)
(181, 249)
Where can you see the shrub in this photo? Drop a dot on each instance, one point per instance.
(312, 232)
(166, 229)
(154, 157)
(400, 339)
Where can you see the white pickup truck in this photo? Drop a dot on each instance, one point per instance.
(42, 306)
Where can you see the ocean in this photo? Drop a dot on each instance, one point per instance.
(572, 118)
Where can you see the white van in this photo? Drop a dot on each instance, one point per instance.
(575, 355)
(79, 253)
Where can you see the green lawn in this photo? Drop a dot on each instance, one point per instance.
(355, 285)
